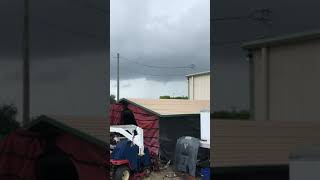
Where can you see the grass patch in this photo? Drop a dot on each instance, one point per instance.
(231, 114)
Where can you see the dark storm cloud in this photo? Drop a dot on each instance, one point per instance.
(160, 33)
(67, 60)
(58, 28)
(229, 59)
(43, 72)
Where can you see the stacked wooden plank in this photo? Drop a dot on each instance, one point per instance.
(237, 143)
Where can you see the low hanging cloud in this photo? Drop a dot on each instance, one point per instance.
(174, 35)
(58, 28)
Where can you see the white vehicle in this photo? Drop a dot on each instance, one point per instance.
(121, 169)
(131, 132)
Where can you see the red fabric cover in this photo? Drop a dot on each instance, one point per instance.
(18, 153)
(115, 114)
(20, 150)
(88, 158)
(150, 125)
(147, 121)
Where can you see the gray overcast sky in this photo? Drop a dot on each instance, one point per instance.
(174, 33)
(231, 84)
(68, 44)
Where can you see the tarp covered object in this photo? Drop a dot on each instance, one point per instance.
(186, 154)
(89, 159)
(20, 151)
(125, 150)
(174, 127)
(147, 121)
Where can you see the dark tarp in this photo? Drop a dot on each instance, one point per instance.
(21, 150)
(18, 153)
(125, 150)
(127, 115)
(55, 164)
(174, 127)
(89, 159)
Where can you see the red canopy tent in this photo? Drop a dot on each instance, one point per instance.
(22, 150)
(147, 121)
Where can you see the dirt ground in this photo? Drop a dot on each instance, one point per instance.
(169, 174)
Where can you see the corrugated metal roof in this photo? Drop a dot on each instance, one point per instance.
(198, 74)
(96, 127)
(92, 130)
(289, 38)
(171, 107)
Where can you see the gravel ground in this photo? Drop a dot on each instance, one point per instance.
(169, 174)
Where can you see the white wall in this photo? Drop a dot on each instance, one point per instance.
(291, 90)
(199, 87)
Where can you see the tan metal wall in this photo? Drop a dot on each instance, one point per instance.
(255, 143)
(286, 82)
(190, 87)
(199, 87)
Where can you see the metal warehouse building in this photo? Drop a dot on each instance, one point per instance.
(199, 86)
(285, 75)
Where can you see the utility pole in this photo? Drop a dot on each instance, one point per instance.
(118, 78)
(25, 66)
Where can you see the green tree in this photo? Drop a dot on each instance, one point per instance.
(112, 99)
(8, 121)
(233, 114)
(172, 97)
(165, 97)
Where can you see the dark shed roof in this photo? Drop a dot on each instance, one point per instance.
(42, 123)
(290, 38)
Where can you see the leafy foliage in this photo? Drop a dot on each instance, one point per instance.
(8, 121)
(112, 99)
(171, 97)
(232, 114)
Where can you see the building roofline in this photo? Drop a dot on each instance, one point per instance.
(156, 113)
(66, 128)
(278, 40)
(138, 105)
(198, 74)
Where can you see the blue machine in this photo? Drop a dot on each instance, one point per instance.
(126, 150)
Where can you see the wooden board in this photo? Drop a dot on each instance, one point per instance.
(256, 143)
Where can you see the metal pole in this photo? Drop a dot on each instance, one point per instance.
(118, 78)
(26, 80)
